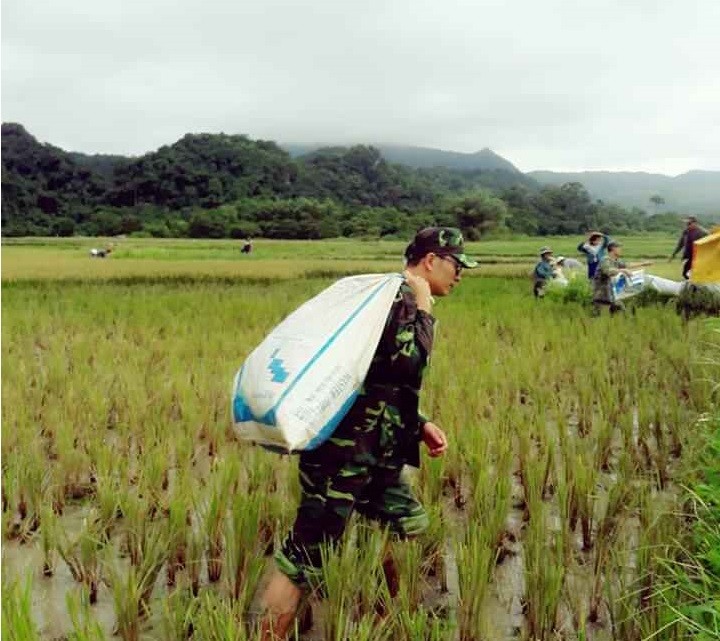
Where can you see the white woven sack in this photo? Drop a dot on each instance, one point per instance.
(297, 385)
(624, 287)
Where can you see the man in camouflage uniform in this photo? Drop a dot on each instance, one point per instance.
(611, 265)
(359, 467)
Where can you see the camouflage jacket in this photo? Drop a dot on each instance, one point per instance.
(396, 371)
(602, 286)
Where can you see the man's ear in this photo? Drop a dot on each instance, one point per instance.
(428, 261)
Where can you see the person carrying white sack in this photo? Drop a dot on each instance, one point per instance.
(359, 467)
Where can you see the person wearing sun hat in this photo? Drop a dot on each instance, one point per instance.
(544, 272)
(360, 467)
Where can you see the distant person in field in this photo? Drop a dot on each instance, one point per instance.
(100, 253)
(594, 249)
(360, 466)
(544, 272)
(247, 246)
(561, 264)
(691, 233)
(568, 263)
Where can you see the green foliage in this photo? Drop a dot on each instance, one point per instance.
(578, 290)
(476, 215)
(229, 186)
(696, 299)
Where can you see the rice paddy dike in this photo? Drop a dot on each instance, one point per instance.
(129, 508)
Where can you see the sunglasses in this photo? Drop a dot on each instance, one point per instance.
(454, 261)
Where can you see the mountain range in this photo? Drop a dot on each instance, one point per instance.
(695, 192)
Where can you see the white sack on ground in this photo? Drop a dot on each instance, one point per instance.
(663, 285)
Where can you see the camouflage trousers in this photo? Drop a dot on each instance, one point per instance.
(352, 471)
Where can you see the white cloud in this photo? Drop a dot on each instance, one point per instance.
(552, 84)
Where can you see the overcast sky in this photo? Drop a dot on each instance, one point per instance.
(549, 84)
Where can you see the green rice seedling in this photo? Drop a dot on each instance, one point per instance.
(10, 498)
(475, 563)
(155, 478)
(219, 618)
(432, 479)
(618, 503)
(214, 515)
(419, 625)
(81, 554)
(30, 483)
(48, 539)
(84, 626)
(126, 587)
(544, 578)
(243, 548)
(585, 493)
(544, 563)
(135, 508)
(491, 495)
(179, 609)
(584, 410)
(17, 619)
(194, 558)
(658, 527)
(622, 596)
(605, 433)
(352, 580)
(409, 560)
(433, 540)
(676, 422)
(132, 585)
(567, 508)
(178, 530)
(644, 430)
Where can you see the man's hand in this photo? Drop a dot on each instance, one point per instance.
(434, 438)
(421, 289)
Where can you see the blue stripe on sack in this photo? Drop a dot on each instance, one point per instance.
(323, 435)
(327, 430)
(241, 410)
(270, 415)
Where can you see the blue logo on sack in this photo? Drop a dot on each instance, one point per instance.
(279, 373)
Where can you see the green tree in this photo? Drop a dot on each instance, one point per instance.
(658, 201)
(477, 214)
(63, 226)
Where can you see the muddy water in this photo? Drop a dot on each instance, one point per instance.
(505, 620)
(49, 594)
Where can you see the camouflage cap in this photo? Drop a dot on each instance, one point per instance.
(443, 241)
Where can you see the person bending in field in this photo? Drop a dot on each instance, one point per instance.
(544, 272)
(360, 466)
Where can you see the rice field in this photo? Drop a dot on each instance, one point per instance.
(129, 508)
